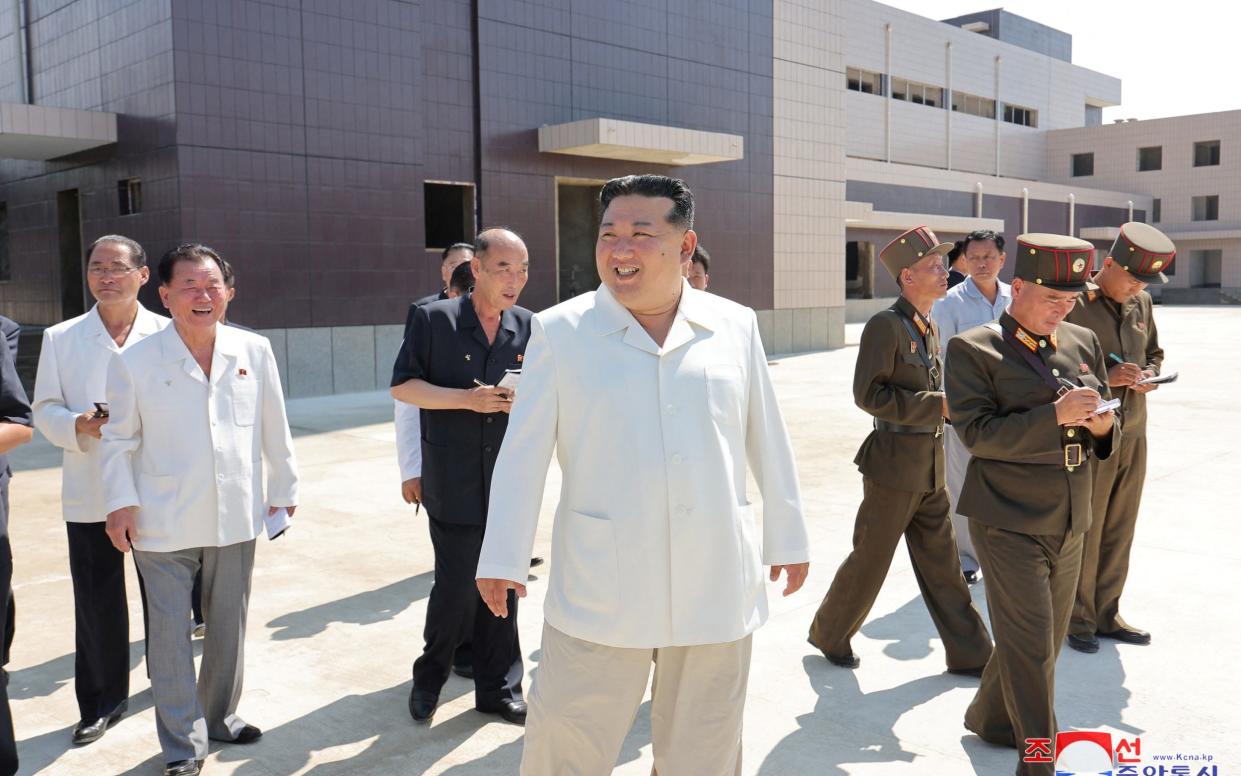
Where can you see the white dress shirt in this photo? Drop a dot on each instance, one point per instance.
(654, 542)
(72, 376)
(408, 439)
(965, 307)
(188, 450)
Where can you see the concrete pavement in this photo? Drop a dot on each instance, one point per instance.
(338, 606)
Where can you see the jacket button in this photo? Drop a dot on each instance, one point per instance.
(490, 419)
(487, 449)
(678, 458)
(1070, 433)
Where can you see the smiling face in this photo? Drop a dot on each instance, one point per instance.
(195, 295)
(501, 271)
(640, 255)
(1040, 309)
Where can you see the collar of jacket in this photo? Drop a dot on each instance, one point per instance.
(970, 288)
(467, 316)
(145, 324)
(610, 316)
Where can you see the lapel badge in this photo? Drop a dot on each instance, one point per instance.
(1085, 368)
(168, 383)
(1141, 326)
(913, 347)
(467, 356)
(521, 357)
(241, 373)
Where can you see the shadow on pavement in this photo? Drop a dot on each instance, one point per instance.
(372, 606)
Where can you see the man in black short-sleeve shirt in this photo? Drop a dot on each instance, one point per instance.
(452, 346)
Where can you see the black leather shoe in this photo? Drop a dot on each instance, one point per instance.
(248, 735)
(90, 730)
(1128, 635)
(971, 577)
(847, 661)
(464, 671)
(967, 671)
(1089, 646)
(508, 709)
(422, 705)
(184, 768)
(536, 561)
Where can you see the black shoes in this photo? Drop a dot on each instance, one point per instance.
(1088, 645)
(89, 731)
(184, 768)
(1128, 635)
(971, 577)
(508, 709)
(247, 735)
(844, 661)
(422, 705)
(967, 671)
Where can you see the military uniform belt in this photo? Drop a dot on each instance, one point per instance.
(900, 428)
(1070, 457)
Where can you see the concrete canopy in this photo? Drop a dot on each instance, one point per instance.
(40, 132)
(636, 142)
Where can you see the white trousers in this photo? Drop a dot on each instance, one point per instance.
(585, 696)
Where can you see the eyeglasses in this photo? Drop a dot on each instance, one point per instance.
(110, 272)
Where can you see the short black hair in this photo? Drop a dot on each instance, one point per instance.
(189, 252)
(462, 279)
(958, 248)
(230, 275)
(138, 255)
(482, 243)
(701, 257)
(461, 246)
(682, 213)
(983, 235)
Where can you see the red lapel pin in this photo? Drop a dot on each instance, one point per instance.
(241, 373)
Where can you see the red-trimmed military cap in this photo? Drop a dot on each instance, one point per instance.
(910, 247)
(1144, 251)
(1054, 261)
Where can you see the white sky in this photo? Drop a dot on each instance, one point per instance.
(1173, 58)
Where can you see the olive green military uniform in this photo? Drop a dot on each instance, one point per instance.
(1128, 330)
(1029, 510)
(902, 465)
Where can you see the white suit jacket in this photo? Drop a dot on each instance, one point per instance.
(72, 376)
(654, 542)
(188, 451)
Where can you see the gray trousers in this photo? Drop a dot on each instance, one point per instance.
(188, 713)
(956, 461)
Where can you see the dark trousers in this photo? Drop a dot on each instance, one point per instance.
(101, 620)
(883, 518)
(456, 613)
(1030, 581)
(8, 744)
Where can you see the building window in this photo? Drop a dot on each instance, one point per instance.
(865, 81)
(448, 214)
(1156, 211)
(1206, 153)
(1083, 165)
(6, 271)
(1206, 268)
(920, 93)
(1150, 158)
(973, 105)
(129, 193)
(1206, 208)
(1015, 114)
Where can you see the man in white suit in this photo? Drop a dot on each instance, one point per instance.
(196, 410)
(73, 369)
(636, 386)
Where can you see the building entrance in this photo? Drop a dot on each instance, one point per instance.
(577, 227)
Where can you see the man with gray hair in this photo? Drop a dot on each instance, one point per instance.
(70, 410)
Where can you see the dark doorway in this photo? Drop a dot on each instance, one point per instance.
(576, 230)
(72, 266)
(448, 214)
(859, 270)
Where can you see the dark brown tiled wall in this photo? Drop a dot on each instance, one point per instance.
(682, 63)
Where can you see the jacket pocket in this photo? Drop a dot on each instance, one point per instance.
(245, 401)
(591, 567)
(726, 393)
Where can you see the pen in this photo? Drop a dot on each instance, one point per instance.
(1116, 358)
(481, 384)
